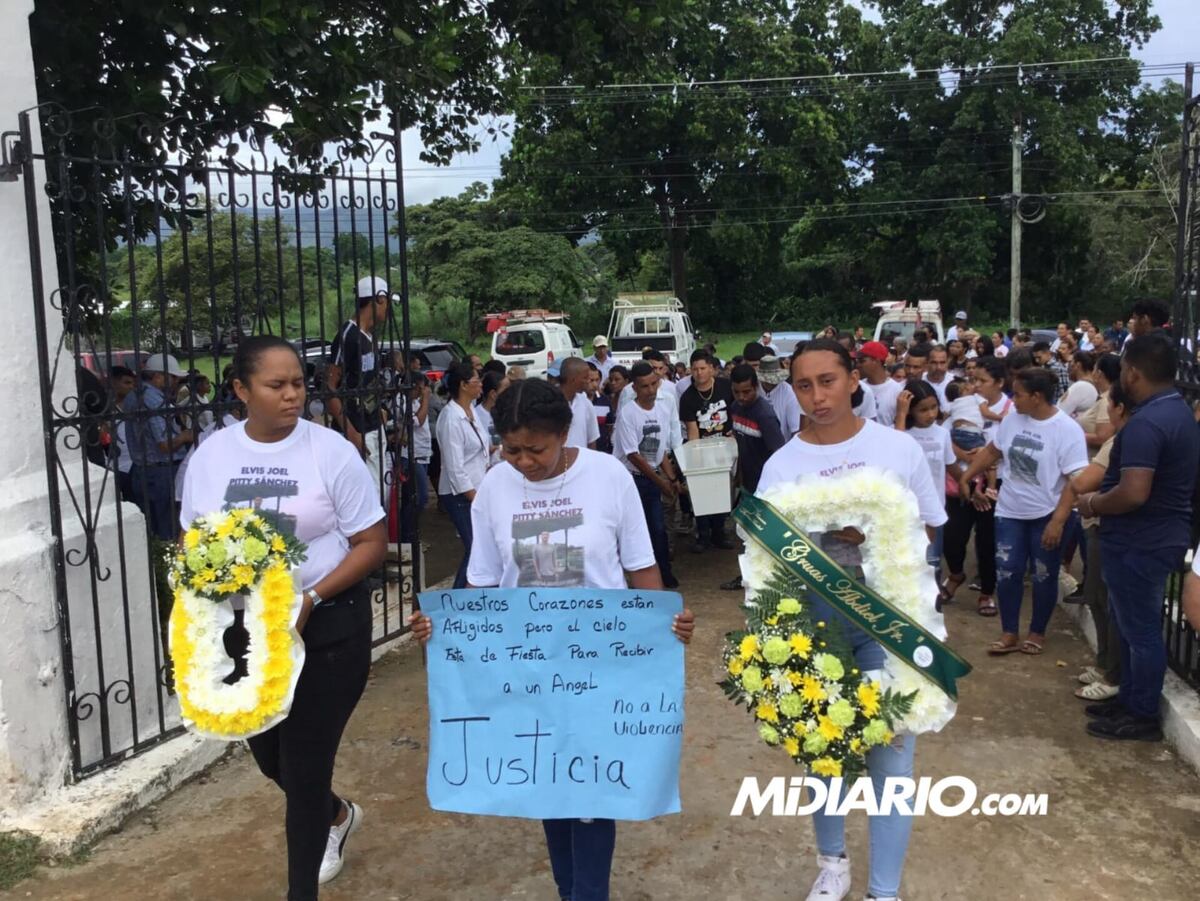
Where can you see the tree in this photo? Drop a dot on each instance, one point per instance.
(647, 166)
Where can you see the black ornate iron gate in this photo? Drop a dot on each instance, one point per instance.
(1183, 645)
(188, 258)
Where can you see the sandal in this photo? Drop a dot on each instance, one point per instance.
(947, 589)
(1031, 647)
(987, 605)
(1003, 646)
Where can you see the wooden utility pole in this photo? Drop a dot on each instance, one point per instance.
(1014, 301)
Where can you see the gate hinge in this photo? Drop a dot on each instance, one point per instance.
(12, 156)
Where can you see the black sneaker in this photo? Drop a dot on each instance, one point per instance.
(1127, 728)
(670, 583)
(732, 584)
(1105, 710)
(1075, 597)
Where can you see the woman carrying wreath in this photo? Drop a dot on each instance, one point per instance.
(312, 482)
(608, 534)
(833, 442)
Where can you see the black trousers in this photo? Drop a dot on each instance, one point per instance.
(963, 518)
(298, 754)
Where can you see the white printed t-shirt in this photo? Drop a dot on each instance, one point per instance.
(583, 528)
(585, 428)
(644, 432)
(886, 395)
(1039, 456)
(875, 446)
(786, 405)
(313, 483)
(939, 453)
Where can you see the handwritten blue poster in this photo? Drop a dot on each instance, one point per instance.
(552, 702)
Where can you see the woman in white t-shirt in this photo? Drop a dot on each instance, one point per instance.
(1039, 448)
(597, 538)
(309, 481)
(832, 441)
(466, 454)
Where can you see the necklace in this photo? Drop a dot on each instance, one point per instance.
(566, 464)
(712, 389)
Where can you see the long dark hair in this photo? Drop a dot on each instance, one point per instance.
(532, 404)
(920, 390)
(457, 375)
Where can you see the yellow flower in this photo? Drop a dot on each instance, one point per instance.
(827, 766)
(736, 666)
(792, 746)
(856, 745)
(748, 647)
(801, 644)
(795, 678)
(278, 545)
(868, 698)
(801, 727)
(243, 574)
(772, 620)
(766, 711)
(225, 527)
(830, 731)
(191, 538)
(239, 532)
(768, 683)
(811, 689)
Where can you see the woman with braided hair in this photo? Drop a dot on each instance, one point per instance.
(592, 534)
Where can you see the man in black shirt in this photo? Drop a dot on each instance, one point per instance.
(704, 409)
(354, 371)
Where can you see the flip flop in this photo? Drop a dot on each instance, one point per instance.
(987, 605)
(1032, 648)
(948, 589)
(999, 648)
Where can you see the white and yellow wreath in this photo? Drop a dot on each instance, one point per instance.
(881, 506)
(223, 556)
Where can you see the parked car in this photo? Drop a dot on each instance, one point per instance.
(785, 342)
(899, 319)
(100, 363)
(532, 339)
(433, 356)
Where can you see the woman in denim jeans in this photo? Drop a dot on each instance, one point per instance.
(466, 452)
(1039, 448)
(610, 548)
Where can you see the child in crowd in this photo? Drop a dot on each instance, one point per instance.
(966, 417)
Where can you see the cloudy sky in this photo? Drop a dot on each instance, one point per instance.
(1177, 41)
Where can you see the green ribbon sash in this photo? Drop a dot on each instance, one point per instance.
(863, 606)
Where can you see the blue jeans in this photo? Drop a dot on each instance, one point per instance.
(656, 522)
(1136, 581)
(581, 853)
(154, 492)
(888, 834)
(933, 553)
(416, 472)
(459, 509)
(1018, 545)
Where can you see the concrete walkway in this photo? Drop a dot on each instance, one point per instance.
(1123, 821)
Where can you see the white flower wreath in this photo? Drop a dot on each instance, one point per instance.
(881, 506)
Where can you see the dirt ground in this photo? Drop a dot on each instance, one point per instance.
(1123, 820)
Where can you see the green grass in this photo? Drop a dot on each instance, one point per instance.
(19, 857)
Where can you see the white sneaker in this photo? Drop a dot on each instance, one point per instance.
(1090, 674)
(1097, 691)
(833, 882)
(335, 847)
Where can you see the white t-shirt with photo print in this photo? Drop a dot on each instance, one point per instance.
(313, 483)
(1039, 456)
(644, 432)
(585, 528)
(939, 453)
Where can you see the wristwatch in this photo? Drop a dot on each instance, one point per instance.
(317, 600)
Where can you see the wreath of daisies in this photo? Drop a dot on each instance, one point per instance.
(223, 556)
(881, 506)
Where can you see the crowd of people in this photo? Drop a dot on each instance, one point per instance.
(1073, 453)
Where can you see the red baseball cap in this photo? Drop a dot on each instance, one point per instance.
(875, 350)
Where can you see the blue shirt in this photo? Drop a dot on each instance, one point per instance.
(146, 433)
(1161, 435)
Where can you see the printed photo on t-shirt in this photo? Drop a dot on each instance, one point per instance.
(263, 490)
(650, 441)
(1023, 458)
(542, 543)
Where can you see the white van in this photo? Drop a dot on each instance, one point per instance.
(654, 319)
(532, 339)
(898, 319)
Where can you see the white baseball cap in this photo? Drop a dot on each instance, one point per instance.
(371, 286)
(961, 314)
(163, 363)
(600, 341)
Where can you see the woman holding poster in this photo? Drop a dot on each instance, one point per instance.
(569, 517)
(833, 444)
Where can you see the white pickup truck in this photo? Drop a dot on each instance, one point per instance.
(653, 319)
(899, 319)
